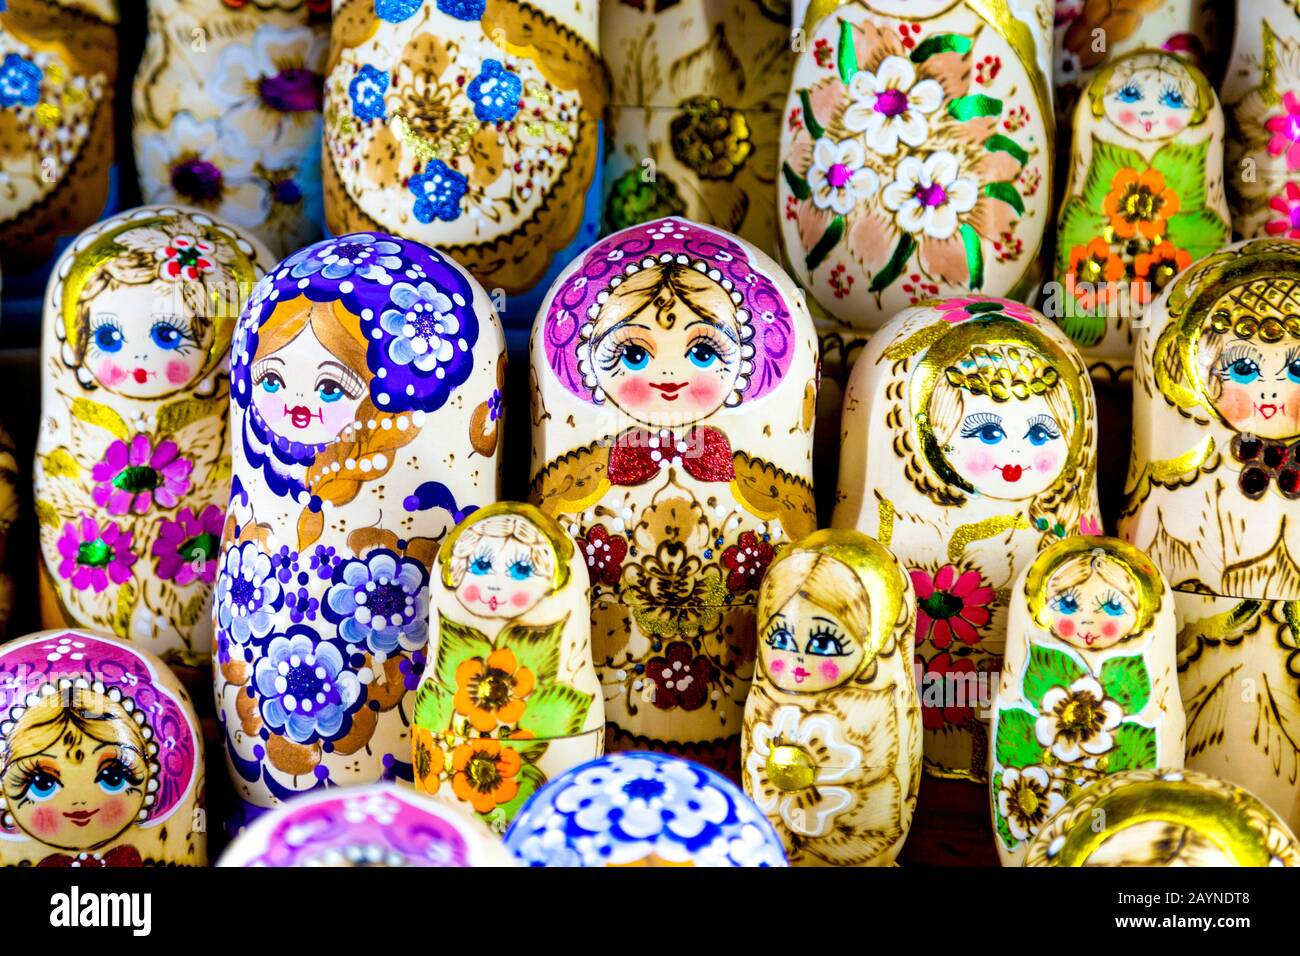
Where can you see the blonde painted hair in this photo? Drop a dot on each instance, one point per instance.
(1005, 373)
(825, 581)
(1188, 80)
(493, 535)
(656, 288)
(1080, 567)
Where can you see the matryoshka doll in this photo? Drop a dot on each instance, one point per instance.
(132, 467)
(916, 155)
(509, 698)
(1089, 685)
(377, 825)
(672, 438)
(101, 757)
(695, 115)
(643, 809)
(1164, 818)
(227, 113)
(1212, 490)
(58, 73)
(364, 427)
(470, 125)
(969, 445)
(1145, 198)
(1261, 96)
(832, 739)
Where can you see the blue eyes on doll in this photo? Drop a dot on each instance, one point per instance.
(1243, 371)
(329, 391)
(42, 785)
(782, 640)
(635, 358)
(825, 644)
(1067, 604)
(167, 336)
(108, 338)
(1112, 607)
(520, 570)
(702, 355)
(113, 777)
(271, 383)
(1173, 99)
(480, 565)
(1128, 94)
(1293, 370)
(990, 433)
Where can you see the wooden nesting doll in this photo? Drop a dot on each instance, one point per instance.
(1090, 34)
(916, 155)
(101, 756)
(132, 468)
(510, 697)
(227, 113)
(58, 71)
(470, 125)
(1261, 96)
(643, 809)
(379, 824)
(1145, 198)
(1212, 490)
(832, 737)
(672, 438)
(695, 116)
(322, 595)
(1089, 685)
(969, 445)
(1164, 818)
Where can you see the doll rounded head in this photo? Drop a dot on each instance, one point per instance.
(1093, 592)
(77, 770)
(1151, 95)
(503, 560)
(1250, 368)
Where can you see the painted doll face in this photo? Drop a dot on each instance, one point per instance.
(502, 580)
(78, 792)
(1258, 387)
(1151, 103)
(1009, 450)
(142, 343)
(304, 392)
(804, 648)
(1090, 612)
(668, 375)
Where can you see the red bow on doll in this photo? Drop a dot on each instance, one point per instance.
(118, 856)
(703, 453)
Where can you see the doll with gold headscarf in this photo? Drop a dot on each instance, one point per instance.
(1088, 686)
(132, 463)
(509, 698)
(969, 444)
(832, 735)
(1212, 488)
(672, 438)
(1145, 198)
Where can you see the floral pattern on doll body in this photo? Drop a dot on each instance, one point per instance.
(138, 320)
(834, 658)
(994, 428)
(671, 329)
(511, 664)
(1144, 198)
(1089, 686)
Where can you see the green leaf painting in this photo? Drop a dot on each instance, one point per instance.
(1135, 748)
(1199, 231)
(433, 707)
(1048, 668)
(1000, 822)
(1079, 225)
(556, 710)
(1107, 162)
(1127, 682)
(535, 647)
(847, 56)
(457, 643)
(1183, 168)
(1016, 745)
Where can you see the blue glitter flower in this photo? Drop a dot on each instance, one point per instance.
(305, 689)
(247, 592)
(395, 11)
(367, 91)
(495, 93)
(423, 326)
(463, 9)
(438, 191)
(362, 254)
(20, 82)
(380, 602)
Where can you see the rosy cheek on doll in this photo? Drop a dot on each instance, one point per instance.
(333, 418)
(1128, 117)
(1045, 462)
(704, 391)
(178, 373)
(110, 373)
(472, 593)
(829, 670)
(634, 391)
(113, 811)
(777, 666)
(979, 463)
(1064, 627)
(1174, 123)
(520, 598)
(1237, 405)
(1110, 629)
(45, 821)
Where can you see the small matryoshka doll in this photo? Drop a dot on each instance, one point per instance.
(132, 468)
(1164, 818)
(470, 125)
(672, 438)
(643, 809)
(1144, 200)
(101, 757)
(832, 739)
(227, 113)
(58, 73)
(1261, 96)
(376, 825)
(509, 698)
(969, 444)
(1090, 34)
(916, 155)
(695, 115)
(363, 371)
(1212, 491)
(1088, 686)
